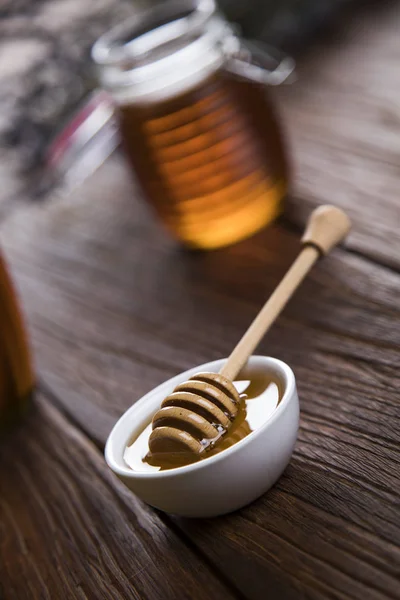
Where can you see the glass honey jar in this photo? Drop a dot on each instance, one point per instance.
(16, 374)
(196, 120)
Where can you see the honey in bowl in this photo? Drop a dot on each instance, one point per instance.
(262, 396)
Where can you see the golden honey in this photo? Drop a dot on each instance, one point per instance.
(210, 162)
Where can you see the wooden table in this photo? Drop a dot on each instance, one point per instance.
(110, 300)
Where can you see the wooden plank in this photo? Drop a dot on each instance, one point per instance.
(343, 122)
(311, 531)
(69, 529)
(120, 302)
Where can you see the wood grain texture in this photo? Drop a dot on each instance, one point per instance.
(120, 300)
(69, 529)
(110, 302)
(342, 118)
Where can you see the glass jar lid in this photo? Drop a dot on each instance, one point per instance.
(163, 52)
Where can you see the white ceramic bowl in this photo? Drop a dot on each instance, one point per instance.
(226, 481)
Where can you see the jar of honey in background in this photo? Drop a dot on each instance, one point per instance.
(16, 375)
(196, 121)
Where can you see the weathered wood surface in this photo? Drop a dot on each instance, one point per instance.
(114, 308)
(124, 310)
(69, 529)
(343, 122)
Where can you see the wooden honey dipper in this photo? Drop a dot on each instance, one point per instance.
(198, 413)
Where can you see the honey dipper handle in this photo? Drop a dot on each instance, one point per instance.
(326, 227)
